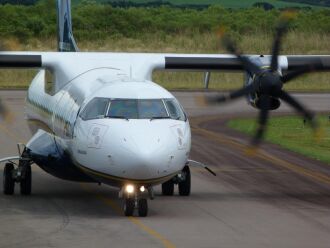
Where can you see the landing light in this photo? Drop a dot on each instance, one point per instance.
(129, 188)
(142, 188)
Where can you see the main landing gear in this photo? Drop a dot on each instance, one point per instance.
(17, 173)
(136, 198)
(183, 180)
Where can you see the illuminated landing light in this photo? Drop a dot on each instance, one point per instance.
(142, 189)
(129, 188)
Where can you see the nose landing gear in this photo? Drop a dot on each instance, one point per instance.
(135, 199)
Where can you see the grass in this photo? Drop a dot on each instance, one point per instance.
(295, 43)
(225, 3)
(290, 133)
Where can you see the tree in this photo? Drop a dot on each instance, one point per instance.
(264, 5)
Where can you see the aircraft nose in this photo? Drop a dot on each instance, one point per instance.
(143, 149)
(148, 153)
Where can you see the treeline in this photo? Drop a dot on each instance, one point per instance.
(325, 3)
(19, 2)
(96, 21)
(155, 4)
(160, 3)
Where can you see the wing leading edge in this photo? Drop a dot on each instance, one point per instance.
(67, 66)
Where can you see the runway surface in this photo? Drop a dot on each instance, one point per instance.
(277, 199)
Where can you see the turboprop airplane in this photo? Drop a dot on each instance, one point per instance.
(99, 118)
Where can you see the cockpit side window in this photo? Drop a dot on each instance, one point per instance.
(95, 109)
(175, 110)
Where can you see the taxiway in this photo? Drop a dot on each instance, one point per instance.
(276, 199)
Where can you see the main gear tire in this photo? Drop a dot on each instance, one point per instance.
(26, 182)
(168, 188)
(185, 186)
(8, 180)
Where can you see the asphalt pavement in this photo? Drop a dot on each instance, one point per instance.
(274, 199)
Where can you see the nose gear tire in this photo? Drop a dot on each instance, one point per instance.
(143, 207)
(129, 205)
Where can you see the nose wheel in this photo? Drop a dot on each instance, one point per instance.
(135, 198)
(143, 207)
(130, 204)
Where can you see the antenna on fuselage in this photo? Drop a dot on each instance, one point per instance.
(65, 39)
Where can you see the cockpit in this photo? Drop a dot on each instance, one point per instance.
(99, 108)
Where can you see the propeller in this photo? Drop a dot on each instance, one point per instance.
(267, 82)
(4, 111)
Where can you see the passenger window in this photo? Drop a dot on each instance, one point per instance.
(95, 109)
(49, 83)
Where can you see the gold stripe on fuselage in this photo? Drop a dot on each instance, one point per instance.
(122, 180)
(40, 124)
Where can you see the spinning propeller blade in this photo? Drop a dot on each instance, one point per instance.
(232, 95)
(294, 74)
(4, 111)
(230, 45)
(281, 29)
(299, 108)
(263, 118)
(266, 84)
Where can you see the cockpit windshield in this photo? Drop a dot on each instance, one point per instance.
(133, 109)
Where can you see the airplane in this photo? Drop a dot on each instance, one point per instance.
(97, 116)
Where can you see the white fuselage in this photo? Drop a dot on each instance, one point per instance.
(110, 150)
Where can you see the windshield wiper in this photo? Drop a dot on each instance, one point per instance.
(117, 117)
(159, 117)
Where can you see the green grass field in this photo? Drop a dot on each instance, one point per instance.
(290, 132)
(225, 3)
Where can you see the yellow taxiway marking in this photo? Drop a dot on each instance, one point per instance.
(165, 242)
(260, 153)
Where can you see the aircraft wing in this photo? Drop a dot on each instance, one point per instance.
(191, 62)
(20, 60)
(67, 66)
(231, 63)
